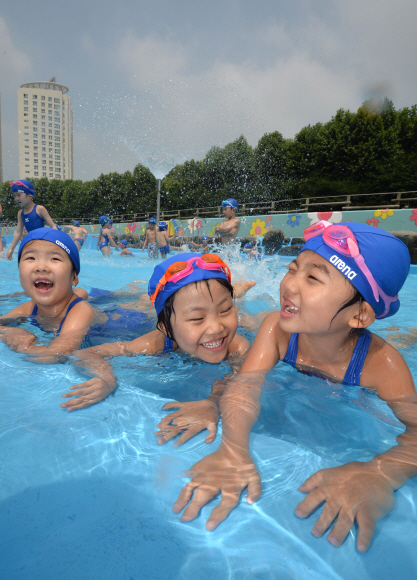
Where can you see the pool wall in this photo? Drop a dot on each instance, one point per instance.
(292, 224)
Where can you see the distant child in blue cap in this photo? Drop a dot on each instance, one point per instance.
(105, 239)
(125, 252)
(163, 240)
(193, 298)
(229, 228)
(150, 239)
(31, 216)
(346, 276)
(79, 233)
(203, 247)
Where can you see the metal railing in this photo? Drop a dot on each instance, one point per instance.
(394, 200)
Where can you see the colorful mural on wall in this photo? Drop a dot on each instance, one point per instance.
(292, 224)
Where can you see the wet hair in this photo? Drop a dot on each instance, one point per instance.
(164, 317)
(357, 297)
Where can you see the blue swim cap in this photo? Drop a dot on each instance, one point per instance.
(124, 242)
(204, 239)
(76, 224)
(103, 220)
(163, 226)
(110, 222)
(23, 186)
(152, 220)
(230, 203)
(61, 239)
(387, 258)
(170, 287)
(248, 246)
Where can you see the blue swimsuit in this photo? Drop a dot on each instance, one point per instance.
(73, 303)
(164, 250)
(354, 370)
(31, 220)
(105, 238)
(168, 345)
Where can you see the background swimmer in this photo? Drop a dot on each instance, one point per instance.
(79, 233)
(105, 239)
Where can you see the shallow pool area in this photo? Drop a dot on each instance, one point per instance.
(89, 494)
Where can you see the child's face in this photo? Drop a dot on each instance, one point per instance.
(228, 212)
(46, 272)
(22, 199)
(311, 293)
(204, 325)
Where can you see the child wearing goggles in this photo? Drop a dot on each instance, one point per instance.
(345, 276)
(193, 298)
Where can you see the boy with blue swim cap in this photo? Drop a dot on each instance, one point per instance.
(229, 227)
(346, 275)
(31, 216)
(163, 240)
(150, 239)
(79, 233)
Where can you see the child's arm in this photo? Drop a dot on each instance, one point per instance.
(230, 469)
(112, 242)
(93, 361)
(43, 213)
(146, 240)
(16, 236)
(364, 491)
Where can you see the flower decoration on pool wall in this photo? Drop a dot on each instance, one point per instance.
(413, 216)
(258, 228)
(293, 219)
(383, 213)
(373, 222)
(333, 217)
(212, 231)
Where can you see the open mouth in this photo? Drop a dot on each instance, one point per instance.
(289, 309)
(43, 286)
(214, 345)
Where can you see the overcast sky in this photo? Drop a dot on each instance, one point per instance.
(161, 81)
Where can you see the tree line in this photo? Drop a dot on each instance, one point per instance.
(371, 150)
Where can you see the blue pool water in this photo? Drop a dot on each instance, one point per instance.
(88, 495)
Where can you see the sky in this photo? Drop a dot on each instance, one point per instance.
(158, 82)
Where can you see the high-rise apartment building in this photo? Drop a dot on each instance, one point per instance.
(45, 131)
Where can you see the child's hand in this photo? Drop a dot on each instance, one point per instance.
(17, 339)
(88, 393)
(190, 419)
(224, 471)
(352, 491)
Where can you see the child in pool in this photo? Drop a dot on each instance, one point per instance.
(150, 239)
(163, 240)
(49, 265)
(193, 298)
(79, 233)
(345, 276)
(31, 216)
(203, 247)
(105, 239)
(125, 251)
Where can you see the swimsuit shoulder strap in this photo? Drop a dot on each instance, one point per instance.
(73, 303)
(354, 370)
(168, 345)
(292, 350)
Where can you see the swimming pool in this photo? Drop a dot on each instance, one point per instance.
(89, 494)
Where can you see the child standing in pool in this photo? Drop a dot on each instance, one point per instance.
(79, 232)
(163, 240)
(150, 239)
(105, 239)
(345, 276)
(31, 216)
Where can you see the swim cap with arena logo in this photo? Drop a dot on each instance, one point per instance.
(61, 239)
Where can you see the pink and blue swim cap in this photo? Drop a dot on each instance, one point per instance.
(387, 258)
(197, 274)
(23, 186)
(57, 237)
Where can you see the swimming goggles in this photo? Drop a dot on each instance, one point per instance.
(341, 238)
(227, 203)
(179, 270)
(21, 184)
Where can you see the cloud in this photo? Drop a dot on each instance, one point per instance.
(13, 62)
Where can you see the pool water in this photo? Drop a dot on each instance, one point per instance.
(88, 494)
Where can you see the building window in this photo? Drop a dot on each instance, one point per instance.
(36, 167)
(42, 98)
(26, 146)
(35, 135)
(50, 145)
(50, 124)
(26, 108)
(57, 157)
(56, 126)
(35, 147)
(49, 105)
(35, 116)
(27, 165)
(49, 130)
(42, 110)
(57, 176)
(58, 151)
(43, 174)
(57, 139)
(26, 133)
(57, 100)
(57, 107)
(35, 141)
(25, 102)
(34, 96)
(43, 155)
(51, 163)
(36, 173)
(26, 140)
(35, 154)
(57, 164)
(43, 125)
(35, 122)
(27, 172)
(43, 117)
(26, 158)
(51, 175)
(25, 95)
(57, 132)
(26, 114)
(49, 99)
